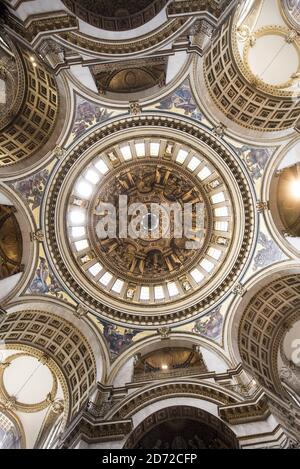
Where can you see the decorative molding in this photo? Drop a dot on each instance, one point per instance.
(112, 48)
(59, 152)
(88, 429)
(135, 108)
(262, 326)
(38, 235)
(246, 412)
(40, 25)
(80, 312)
(262, 206)
(182, 412)
(164, 332)
(220, 130)
(131, 404)
(194, 7)
(35, 118)
(239, 289)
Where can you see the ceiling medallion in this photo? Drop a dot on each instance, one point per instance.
(158, 255)
(158, 277)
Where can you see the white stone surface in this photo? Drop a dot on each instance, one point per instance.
(8, 284)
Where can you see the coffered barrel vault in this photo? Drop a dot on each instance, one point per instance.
(29, 112)
(239, 93)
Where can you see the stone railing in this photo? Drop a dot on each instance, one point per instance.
(175, 373)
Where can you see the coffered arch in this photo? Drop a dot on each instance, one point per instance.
(269, 313)
(80, 321)
(33, 111)
(62, 342)
(223, 435)
(260, 319)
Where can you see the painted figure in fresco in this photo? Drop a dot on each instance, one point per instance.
(117, 342)
(210, 326)
(33, 188)
(181, 98)
(44, 281)
(87, 115)
(255, 158)
(269, 254)
(39, 283)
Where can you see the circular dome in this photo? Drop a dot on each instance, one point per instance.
(120, 15)
(27, 379)
(288, 200)
(283, 70)
(27, 383)
(285, 64)
(149, 267)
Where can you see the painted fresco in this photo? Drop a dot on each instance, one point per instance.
(210, 326)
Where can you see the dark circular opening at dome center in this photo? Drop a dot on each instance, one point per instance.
(150, 221)
(119, 15)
